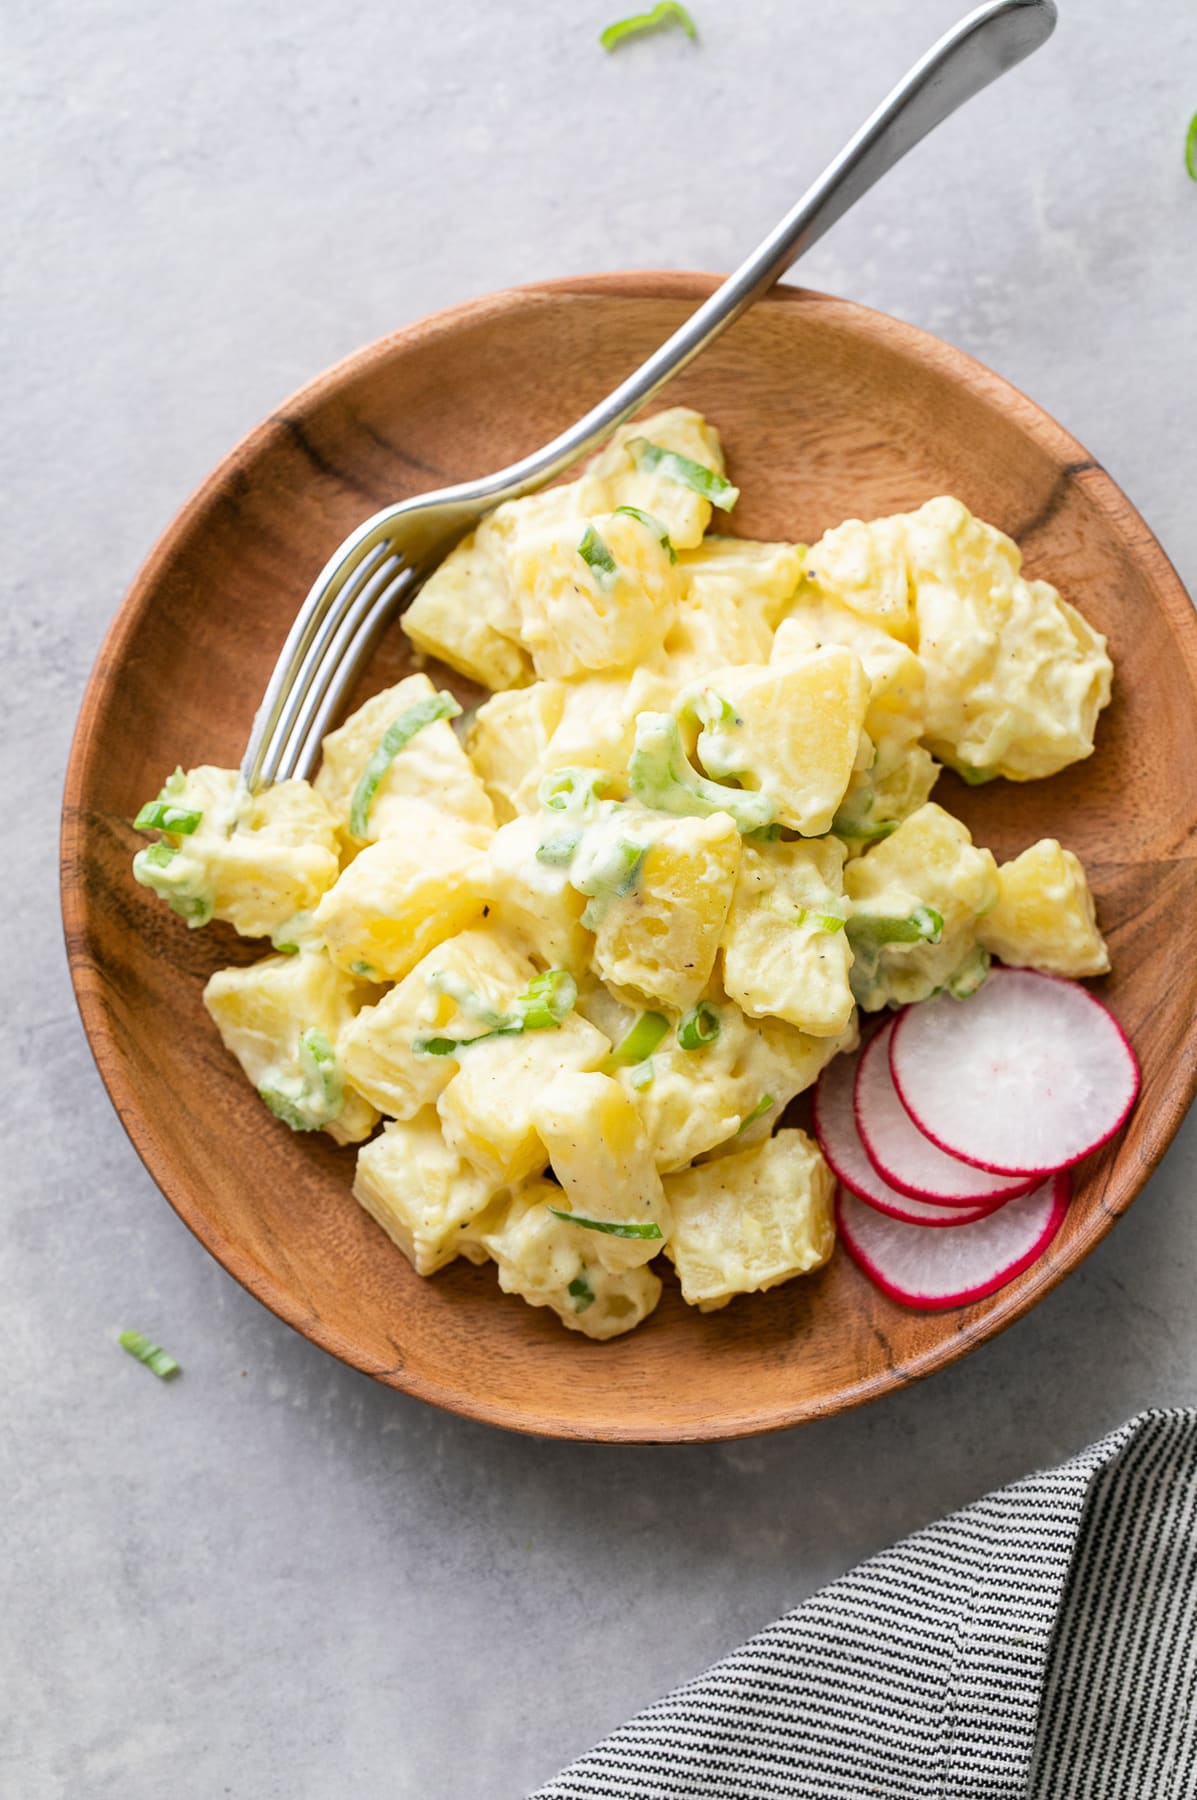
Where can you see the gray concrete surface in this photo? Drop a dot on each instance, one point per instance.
(273, 1578)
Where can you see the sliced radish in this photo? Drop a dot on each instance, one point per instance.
(899, 1151)
(835, 1128)
(932, 1270)
(1029, 1075)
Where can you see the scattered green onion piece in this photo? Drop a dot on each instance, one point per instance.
(763, 1105)
(445, 981)
(558, 850)
(319, 1096)
(653, 524)
(580, 1290)
(401, 732)
(364, 970)
(572, 790)
(151, 1354)
(546, 1002)
(830, 922)
(642, 1075)
(597, 557)
(685, 471)
(970, 976)
(667, 12)
(639, 1042)
(699, 1027)
(870, 931)
(159, 856)
(765, 834)
(972, 776)
(164, 815)
(1191, 148)
(661, 778)
(648, 1230)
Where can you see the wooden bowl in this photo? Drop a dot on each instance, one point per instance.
(828, 411)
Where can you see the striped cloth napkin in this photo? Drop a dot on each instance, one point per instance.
(1039, 1645)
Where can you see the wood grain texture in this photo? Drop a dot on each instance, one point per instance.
(827, 411)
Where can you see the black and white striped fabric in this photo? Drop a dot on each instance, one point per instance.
(1039, 1645)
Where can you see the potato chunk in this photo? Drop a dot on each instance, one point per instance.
(785, 952)
(507, 742)
(446, 995)
(487, 1108)
(597, 725)
(422, 1193)
(601, 1155)
(539, 1257)
(915, 900)
(1015, 676)
(532, 896)
(281, 1019)
(1045, 917)
(730, 1092)
(750, 1221)
(400, 897)
(597, 597)
(864, 568)
(460, 613)
(431, 767)
(253, 860)
(790, 729)
(660, 934)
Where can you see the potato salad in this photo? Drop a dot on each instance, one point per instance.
(558, 964)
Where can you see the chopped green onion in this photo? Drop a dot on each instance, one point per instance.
(765, 834)
(446, 981)
(572, 790)
(685, 471)
(830, 922)
(871, 931)
(173, 877)
(643, 1038)
(699, 1027)
(633, 1230)
(711, 709)
(763, 1105)
(971, 974)
(164, 815)
(545, 1003)
(653, 524)
(401, 732)
(580, 1290)
(557, 850)
(151, 1354)
(366, 971)
(667, 12)
(974, 777)
(597, 557)
(315, 1097)
(662, 778)
(642, 1075)
(1191, 148)
(846, 826)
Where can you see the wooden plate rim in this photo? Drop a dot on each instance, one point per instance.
(1076, 465)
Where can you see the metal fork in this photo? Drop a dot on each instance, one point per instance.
(382, 563)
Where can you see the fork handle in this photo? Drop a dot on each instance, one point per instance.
(985, 44)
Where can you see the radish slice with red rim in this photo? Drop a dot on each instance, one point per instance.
(933, 1270)
(839, 1140)
(1029, 1075)
(902, 1155)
